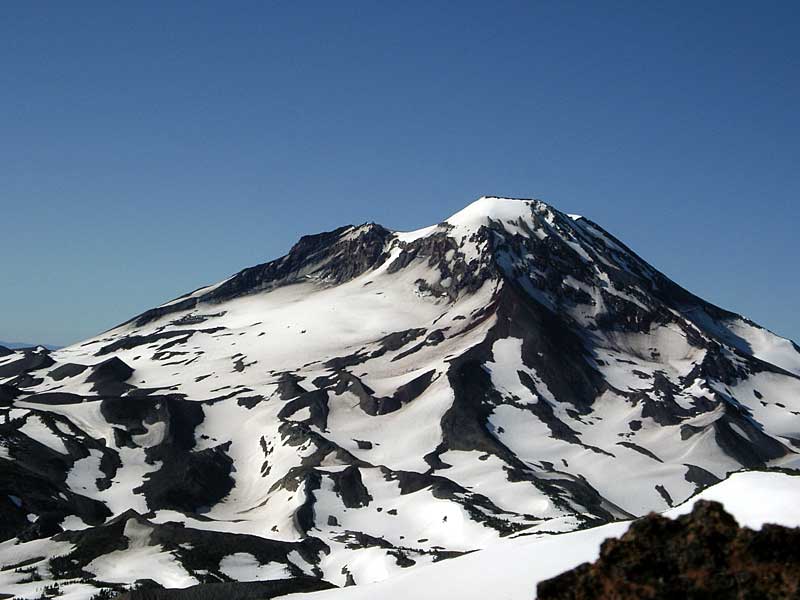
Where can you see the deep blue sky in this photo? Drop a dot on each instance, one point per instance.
(149, 148)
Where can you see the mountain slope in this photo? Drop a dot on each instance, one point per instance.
(512, 568)
(375, 400)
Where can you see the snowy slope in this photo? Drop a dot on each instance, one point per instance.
(377, 400)
(511, 569)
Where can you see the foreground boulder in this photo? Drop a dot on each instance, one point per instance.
(702, 555)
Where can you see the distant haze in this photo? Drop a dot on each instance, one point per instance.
(17, 345)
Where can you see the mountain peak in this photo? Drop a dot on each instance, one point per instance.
(480, 213)
(493, 208)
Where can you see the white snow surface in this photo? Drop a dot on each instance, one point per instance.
(511, 569)
(243, 566)
(140, 560)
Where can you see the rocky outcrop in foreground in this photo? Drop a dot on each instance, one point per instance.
(702, 555)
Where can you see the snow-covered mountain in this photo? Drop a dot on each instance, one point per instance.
(376, 400)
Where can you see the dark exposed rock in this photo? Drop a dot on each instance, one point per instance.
(432, 339)
(701, 556)
(25, 380)
(373, 405)
(31, 360)
(197, 480)
(234, 590)
(8, 393)
(465, 276)
(335, 256)
(37, 476)
(640, 450)
(12, 517)
(66, 370)
(197, 549)
(317, 403)
(755, 449)
(700, 477)
(249, 401)
(348, 484)
(180, 417)
(659, 402)
(109, 377)
(389, 343)
(289, 386)
(664, 494)
(196, 319)
(132, 341)
(479, 507)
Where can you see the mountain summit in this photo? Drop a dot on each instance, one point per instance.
(375, 400)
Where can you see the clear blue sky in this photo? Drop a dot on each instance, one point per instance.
(149, 148)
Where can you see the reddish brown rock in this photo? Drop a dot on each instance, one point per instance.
(701, 556)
